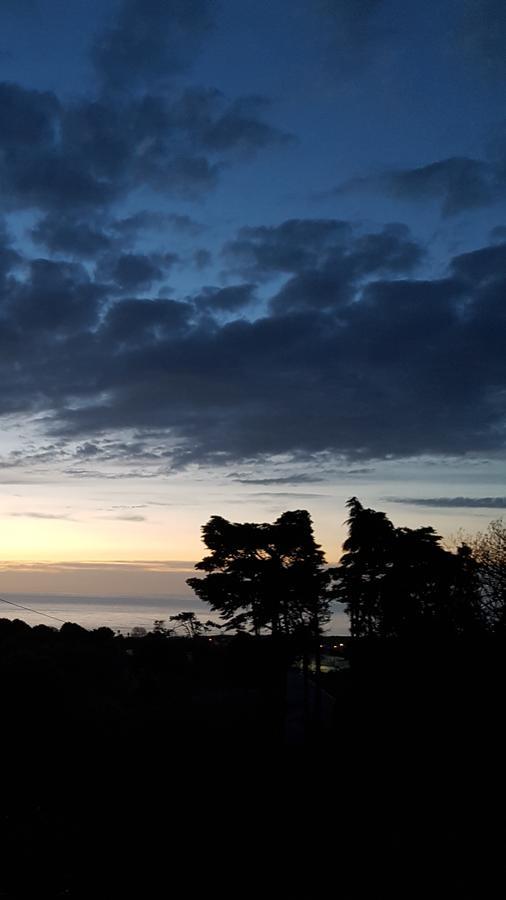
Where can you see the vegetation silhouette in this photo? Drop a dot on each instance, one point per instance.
(118, 747)
(191, 625)
(401, 583)
(266, 576)
(488, 551)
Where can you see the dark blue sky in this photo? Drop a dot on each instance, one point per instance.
(254, 243)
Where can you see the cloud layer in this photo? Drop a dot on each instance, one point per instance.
(455, 502)
(352, 353)
(318, 334)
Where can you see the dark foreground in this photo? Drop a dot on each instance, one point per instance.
(170, 765)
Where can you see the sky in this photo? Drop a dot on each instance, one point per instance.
(252, 258)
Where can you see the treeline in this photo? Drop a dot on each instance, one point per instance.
(394, 582)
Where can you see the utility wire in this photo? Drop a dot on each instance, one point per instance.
(39, 612)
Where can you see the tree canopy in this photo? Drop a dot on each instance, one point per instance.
(265, 576)
(401, 582)
(488, 549)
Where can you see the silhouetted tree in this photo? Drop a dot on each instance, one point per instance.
(191, 625)
(265, 575)
(488, 550)
(364, 566)
(138, 631)
(401, 582)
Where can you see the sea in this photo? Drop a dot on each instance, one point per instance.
(122, 614)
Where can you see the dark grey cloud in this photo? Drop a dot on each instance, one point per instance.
(457, 184)
(185, 224)
(135, 323)
(69, 235)
(73, 458)
(140, 222)
(389, 251)
(9, 257)
(55, 297)
(141, 129)
(498, 233)
(133, 272)
(293, 246)
(241, 127)
(88, 236)
(324, 256)
(454, 502)
(150, 40)
(488, 264)
(225, 300)
(298, 478)
(27, 117)
(388, 365)
(272, 495)
(217, 125)
(81, 156)
(332, 283)
(39, 166)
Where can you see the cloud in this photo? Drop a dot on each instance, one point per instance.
(293, 246)
(457, 184)
(39, 515)
(91, 236)
(299, 478)
(498, 233)
(136, 323)
(9, 258)
(40, 166)
(486, 265)
(185, 224)
(270, 495)
(54, 297)
(454, 502)
(141, 221)
(150, 41)
(78, 157)
(128, 518)
(333, 282)
(324, 256)
(71, 235)
(225, 300)
(353, 356)
(240, 127)
(72, 158)
(133, 272)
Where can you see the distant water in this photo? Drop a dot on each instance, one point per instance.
(119, 613)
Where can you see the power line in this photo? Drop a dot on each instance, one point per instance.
(39, 612)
